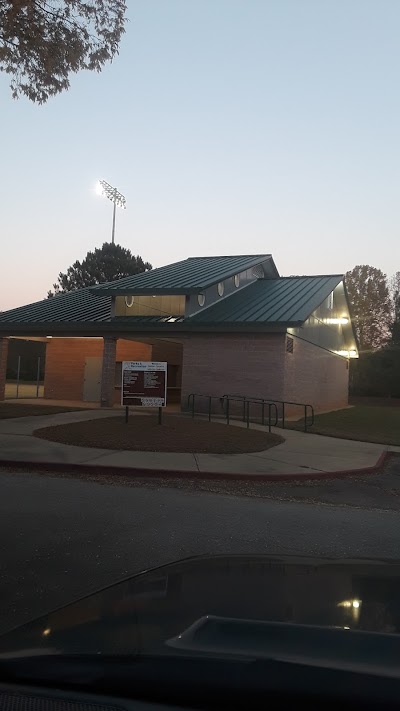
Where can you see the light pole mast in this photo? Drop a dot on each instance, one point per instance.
(116, 198)
(113, 225)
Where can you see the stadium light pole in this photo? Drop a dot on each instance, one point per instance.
(104, 188)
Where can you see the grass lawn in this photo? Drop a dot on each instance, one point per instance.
(364, 423)
(8, 410)
(175, 434)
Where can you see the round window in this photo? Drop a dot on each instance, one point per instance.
(236, 280)
(201, 299)
(221, 288)
(129, 301)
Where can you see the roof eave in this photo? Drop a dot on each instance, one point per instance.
(103, 328)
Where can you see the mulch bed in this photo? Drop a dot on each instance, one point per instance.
(175, 434)
(12, 410)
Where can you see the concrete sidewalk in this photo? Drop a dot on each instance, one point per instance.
(300, 454)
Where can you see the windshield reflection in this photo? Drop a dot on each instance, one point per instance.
(140, 614)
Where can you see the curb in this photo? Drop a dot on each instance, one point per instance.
(142, 473)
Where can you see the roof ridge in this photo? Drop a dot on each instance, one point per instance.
(229, 256)
(311, 276)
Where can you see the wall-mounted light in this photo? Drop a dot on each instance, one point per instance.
(347, 354)
(335, 321)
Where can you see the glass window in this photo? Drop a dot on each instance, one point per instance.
(129, 301)
(221, 288)
(201, 299)
(236, 280)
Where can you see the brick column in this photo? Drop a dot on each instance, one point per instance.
(108, 372)
(3, 365)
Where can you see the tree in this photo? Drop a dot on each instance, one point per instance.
(394, 286)
(43, 42)
(371, 307)
(109, 263)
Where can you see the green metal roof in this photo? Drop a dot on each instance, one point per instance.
(287, 301)
(280, 303)
(76, 306)
(189, 276)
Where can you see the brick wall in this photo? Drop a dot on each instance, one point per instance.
(315, 376)
(233, 364)
(65, 363)
(255, 366)
(167, 350)
(3, 365)
(172, 353)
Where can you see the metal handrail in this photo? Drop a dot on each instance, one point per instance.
(244, 399)
(255, 401)
(246, 416)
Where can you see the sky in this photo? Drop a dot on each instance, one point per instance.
(231, 126)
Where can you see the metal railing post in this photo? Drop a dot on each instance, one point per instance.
(305, 418)
(263, 413)
(209, 408)
(283, 415)
(193, 406)
(227, 410)
(248, 414)
(244, 409)
(269, 417)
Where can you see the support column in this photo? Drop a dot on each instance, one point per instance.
(108, 372)
(3, 365)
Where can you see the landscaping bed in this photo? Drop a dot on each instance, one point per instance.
(175, 434)
(11, 410)
(380, 424)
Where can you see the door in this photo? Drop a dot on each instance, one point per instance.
(92, 379)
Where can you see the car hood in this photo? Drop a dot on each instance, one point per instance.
(142, 614)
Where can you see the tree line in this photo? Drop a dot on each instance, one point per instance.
(375, 306)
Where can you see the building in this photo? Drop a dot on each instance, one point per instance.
(225, 325)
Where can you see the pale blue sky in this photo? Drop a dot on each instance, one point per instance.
(232, 126)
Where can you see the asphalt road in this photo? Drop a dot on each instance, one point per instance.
(63, 538)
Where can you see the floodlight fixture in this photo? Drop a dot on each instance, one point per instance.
(118, 200)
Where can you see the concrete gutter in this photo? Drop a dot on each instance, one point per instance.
(143, 473)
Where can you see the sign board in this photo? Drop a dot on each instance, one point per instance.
(144, 384)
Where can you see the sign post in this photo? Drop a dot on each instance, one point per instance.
(144, 384)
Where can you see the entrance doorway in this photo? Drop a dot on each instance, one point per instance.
(92, 379)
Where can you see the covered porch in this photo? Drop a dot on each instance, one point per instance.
(84, 370)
